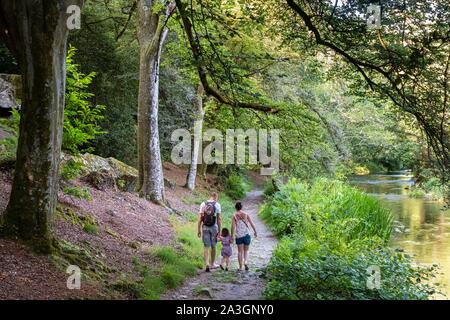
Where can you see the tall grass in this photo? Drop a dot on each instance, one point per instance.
(330, 234)
(297, 205)
(174, 264)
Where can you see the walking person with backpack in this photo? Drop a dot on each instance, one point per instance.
(209, 223)
(240, 226)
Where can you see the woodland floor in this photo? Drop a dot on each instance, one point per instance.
(234, 284)
(127, 227)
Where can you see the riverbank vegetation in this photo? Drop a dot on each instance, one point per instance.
(429, 186)
(333, 237)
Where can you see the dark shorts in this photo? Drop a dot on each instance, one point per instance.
(244, 240)
(209, 236)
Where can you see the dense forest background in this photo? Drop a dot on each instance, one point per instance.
(331, 123)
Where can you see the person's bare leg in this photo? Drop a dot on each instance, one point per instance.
(213, 257)
(206, 256)
(223, 262)
(240, 256)
(246, 248)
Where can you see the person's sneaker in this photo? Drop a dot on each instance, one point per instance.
(246, 268)
(221, 267)
(215, 266)
(207, 269)
(226, 269)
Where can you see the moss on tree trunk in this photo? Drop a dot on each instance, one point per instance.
(37, 35)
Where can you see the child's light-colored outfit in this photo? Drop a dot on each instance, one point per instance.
(226, 247)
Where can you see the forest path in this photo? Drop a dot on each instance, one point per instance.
(233, 284)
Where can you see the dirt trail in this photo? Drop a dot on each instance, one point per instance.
(231, 285)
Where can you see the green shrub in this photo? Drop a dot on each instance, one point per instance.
(331, 233)
(8, 146)
(8, 149)
(80, 117)
(78, 192)
(90, 228)
(12, 123)
(436, 188)
(416, 192)
(71, 169)
(171, 276)
(235, 187)
(269, 188)
(297, 205)
(432, 183)
(167, 254)
(316, 273)
(429, 185)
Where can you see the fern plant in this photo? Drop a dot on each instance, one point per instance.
(80, 116)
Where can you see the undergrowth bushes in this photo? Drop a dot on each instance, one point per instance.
(236, 186)
(330, 235)
(430, 186)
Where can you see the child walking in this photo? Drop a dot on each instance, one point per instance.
(226, 249)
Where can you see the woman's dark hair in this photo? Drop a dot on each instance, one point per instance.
(238, 206)
(225, 232)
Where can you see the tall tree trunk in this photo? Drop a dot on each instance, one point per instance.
(203, 167)
(198, 126)
(37, 35)
(151, 34)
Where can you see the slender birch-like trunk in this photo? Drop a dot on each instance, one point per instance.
(152, 34)
(198, 129)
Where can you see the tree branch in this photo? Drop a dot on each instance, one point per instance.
(203, 73)
(130, 14)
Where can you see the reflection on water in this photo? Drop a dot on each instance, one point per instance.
(421, 227)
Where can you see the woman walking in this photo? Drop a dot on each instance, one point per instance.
(240, 227)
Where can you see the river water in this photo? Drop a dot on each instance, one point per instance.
(421, 227)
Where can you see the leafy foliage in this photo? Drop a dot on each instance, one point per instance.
(12, 123)
(331, 234)
(8, 149)
(300, 270)
(298, 206)
(80, 116)
(90, 228)
(71, 169)
(8, 63)
(8, 145)
(78, 192)
(430, 186)
(235, 187)
(401, 62)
